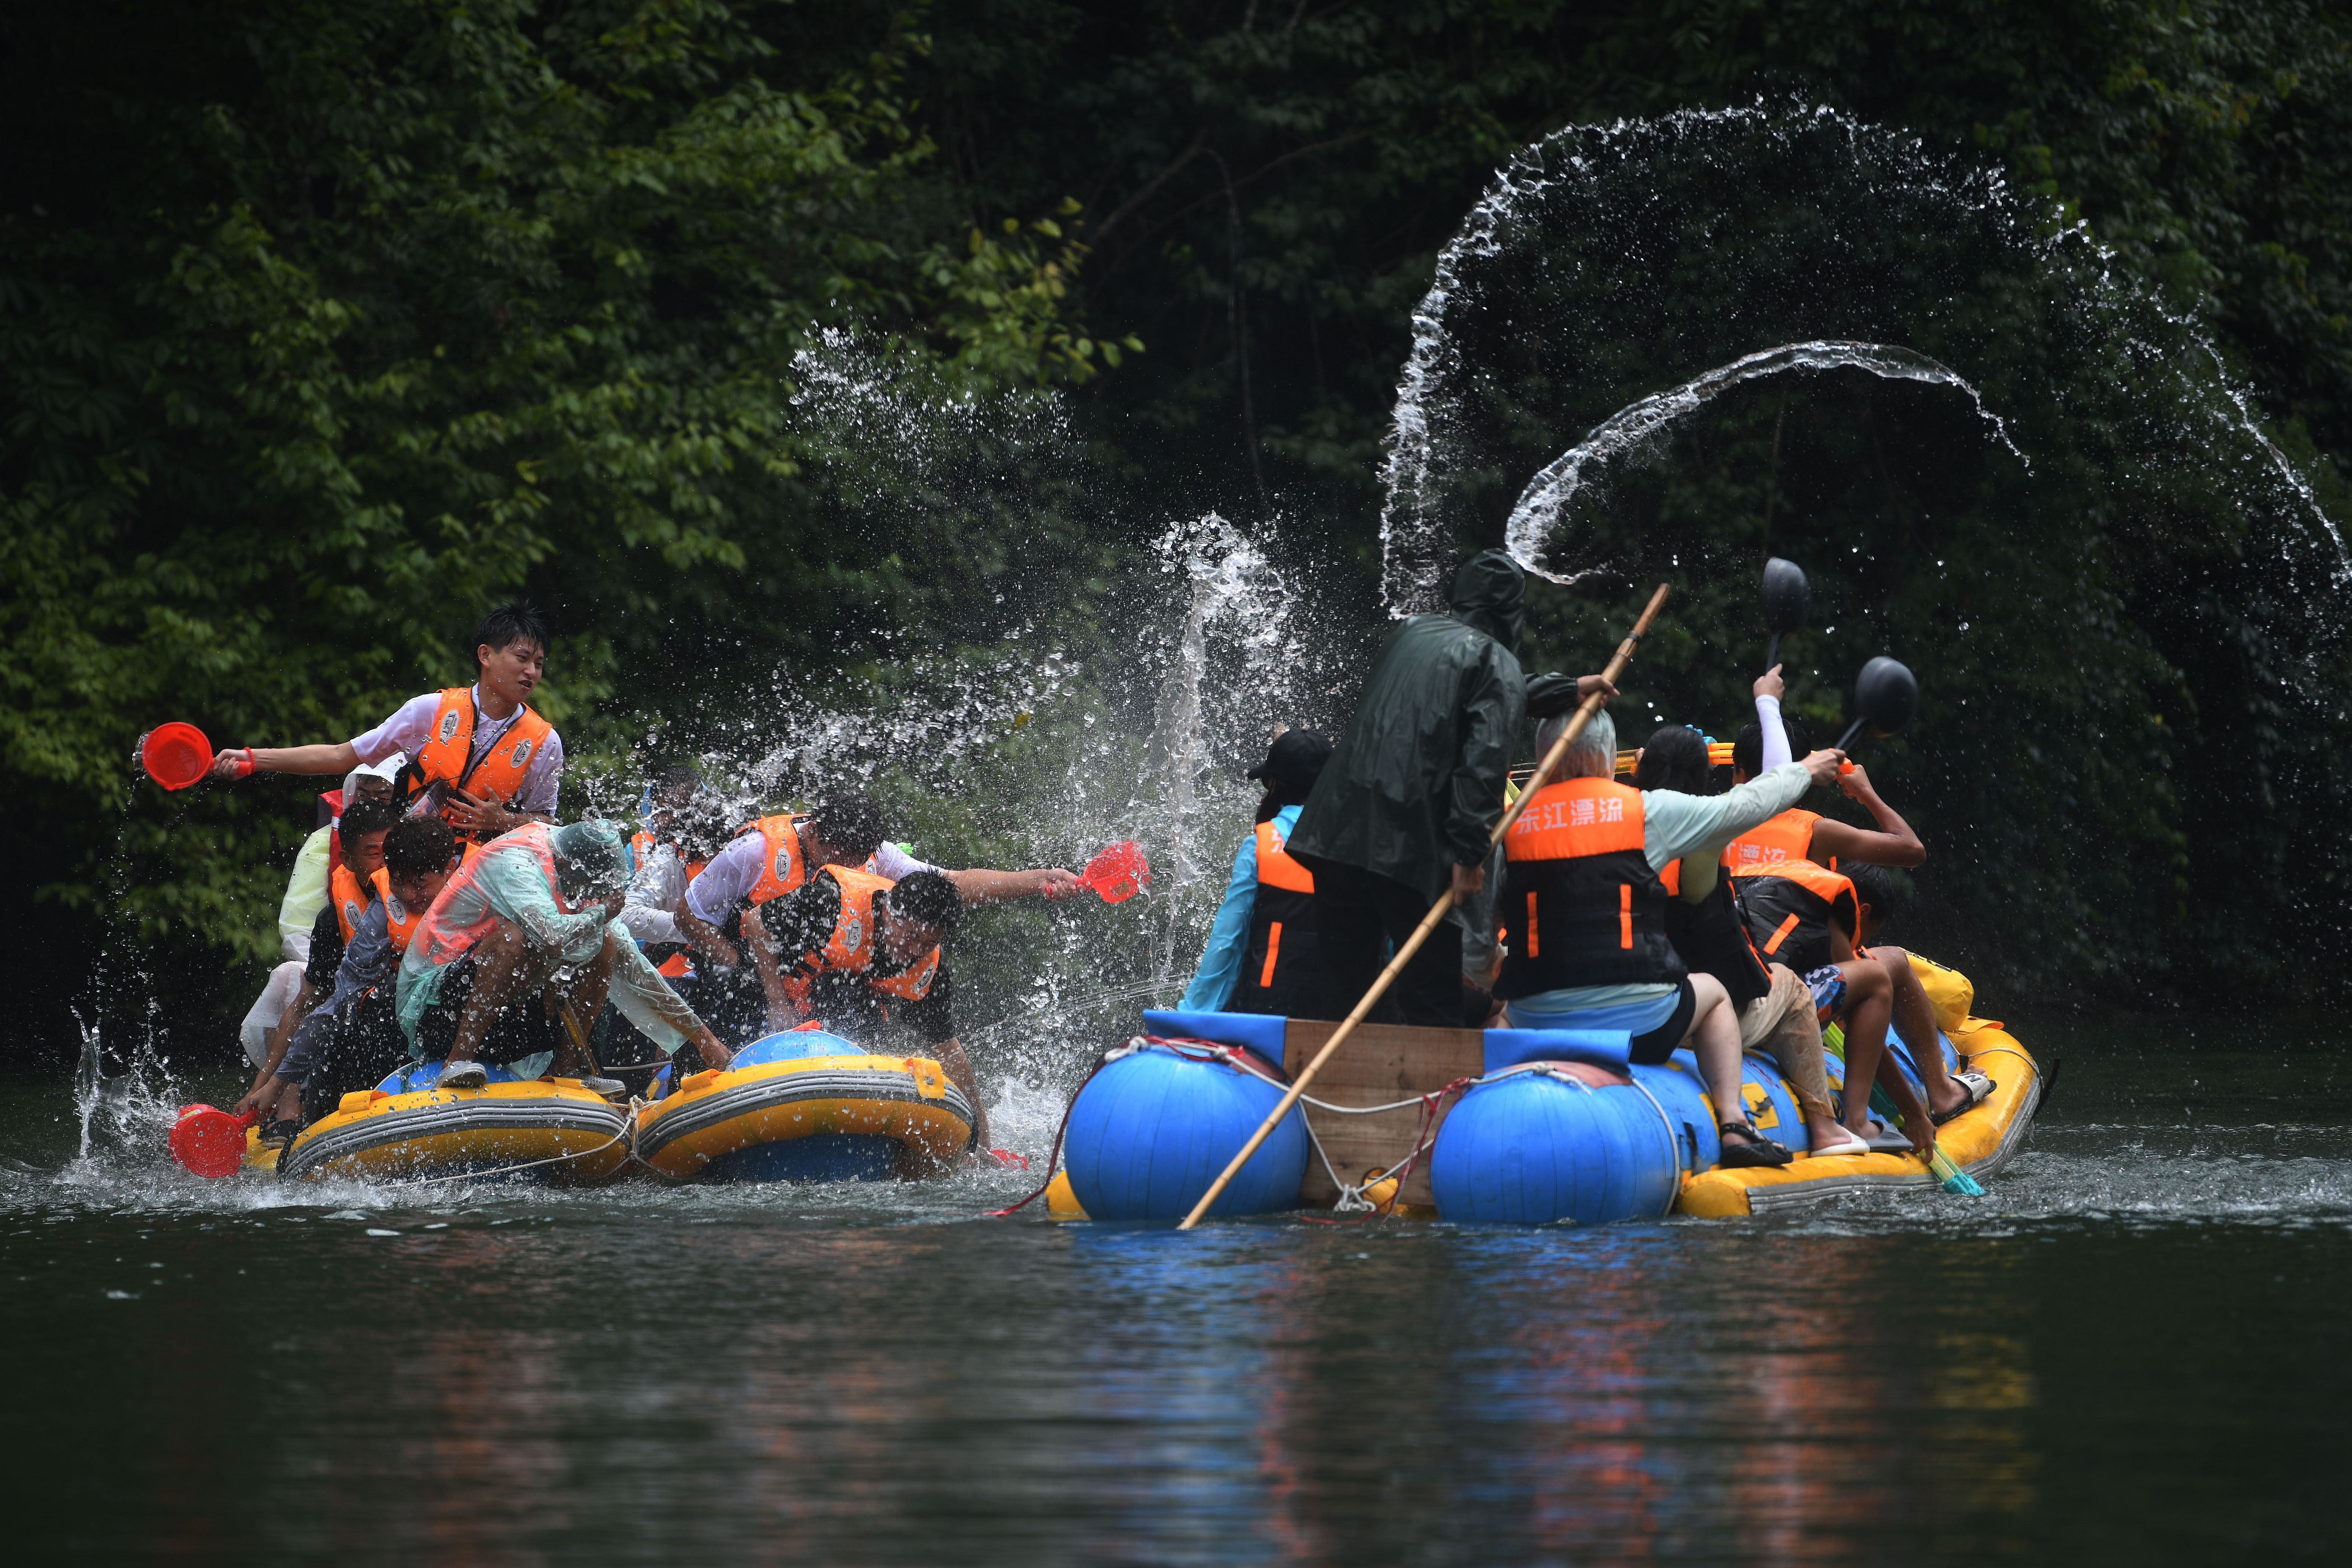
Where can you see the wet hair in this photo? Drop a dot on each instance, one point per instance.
(1874, 886)
(851, 823)
(929, 897)
(508, 624)
(418, 846)
(361, 818)
(1592, 754)
(1747, 746)
(679, 781)
(1675, 758)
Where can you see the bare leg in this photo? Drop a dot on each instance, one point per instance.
(1915, 1020)
(1869, 1001)
(1713, 1039)
(1794, 1042)
(499, 976)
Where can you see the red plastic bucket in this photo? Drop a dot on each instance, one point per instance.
(176, 755)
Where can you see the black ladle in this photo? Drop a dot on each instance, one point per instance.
(1886, 695)
(1787, 598)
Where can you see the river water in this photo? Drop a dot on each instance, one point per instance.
(2131, 1349)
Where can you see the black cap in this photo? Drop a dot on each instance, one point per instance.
(1294, 761)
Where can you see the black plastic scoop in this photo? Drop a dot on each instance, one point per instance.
(1787, 597)
(1885, 694)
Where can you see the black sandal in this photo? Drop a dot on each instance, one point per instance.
(1753, 1150)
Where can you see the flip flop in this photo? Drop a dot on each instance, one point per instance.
(1976, 1084)
(1884, 1140)
(1849, 1146)
(1753, 1149)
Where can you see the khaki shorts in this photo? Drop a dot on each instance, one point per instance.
(1781, 1025)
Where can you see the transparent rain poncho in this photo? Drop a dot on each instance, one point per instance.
(509, 879)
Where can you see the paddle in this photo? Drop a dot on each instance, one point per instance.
(209, 1141)
(1787, 598)
(1118, 873)
(176, 756)
(1886, 695)
(1584, 713)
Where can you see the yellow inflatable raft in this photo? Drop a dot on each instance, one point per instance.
(806, 1107)
(406, 1129)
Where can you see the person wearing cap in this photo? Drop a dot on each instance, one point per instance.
(527, 933)
(1261, 956)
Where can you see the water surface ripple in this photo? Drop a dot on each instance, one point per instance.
(2131, 1347)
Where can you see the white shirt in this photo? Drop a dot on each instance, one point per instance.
(735, 870)
(654, 892)
(410, 729)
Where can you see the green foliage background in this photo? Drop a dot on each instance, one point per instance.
(324, 326)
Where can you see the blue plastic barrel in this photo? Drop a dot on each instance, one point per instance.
(1534, 1149)
(1152, 1131)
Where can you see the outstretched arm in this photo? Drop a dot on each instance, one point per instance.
(982, 886)
(340, 758)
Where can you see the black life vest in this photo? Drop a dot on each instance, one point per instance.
(1789, 906)
(1712, 937)
(1583, 906)
(1281, 973)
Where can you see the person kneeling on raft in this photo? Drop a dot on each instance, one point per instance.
(352, 1041)
(861, 954)
(479, 755)
(514, 961)
(1586, 910)
(1261, 955)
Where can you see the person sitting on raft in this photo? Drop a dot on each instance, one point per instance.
(860, 954)
(298, 910)
(1826, 841)
(1403, 808)
(353, 890)
(681, 833)
(1808, 917)
(513, 962)
(478, 755)
(1587, 912)
(774, 856)
(1774, 1008)
(352, 1041)
(1260, 956)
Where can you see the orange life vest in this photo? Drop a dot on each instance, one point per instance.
(1789, 906)
(785, 868)
(1582, 899)
(1280, 968)
(850, 949)
(1788, 836)
(400, 922)
(1711, 935)
(447, 758)
(350, 897)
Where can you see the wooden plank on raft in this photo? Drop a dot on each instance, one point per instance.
(1377, 1065)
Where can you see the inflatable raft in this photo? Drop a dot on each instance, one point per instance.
(1499, 1125)
(805, 1106)
(405, 1128)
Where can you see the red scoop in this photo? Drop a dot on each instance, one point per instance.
(210, 1142)
(176, 755)
(1118, 873)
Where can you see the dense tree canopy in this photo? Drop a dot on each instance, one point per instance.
(322, 326)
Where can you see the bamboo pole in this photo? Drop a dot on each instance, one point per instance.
(1584, 713)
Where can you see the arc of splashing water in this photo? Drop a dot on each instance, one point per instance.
(1547, 494)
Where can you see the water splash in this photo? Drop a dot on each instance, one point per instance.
(1536, 516)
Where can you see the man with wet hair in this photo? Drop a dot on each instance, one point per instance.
(479, 755)
(774, 856)
(517, 956)
(354, 1039)
(359, 833)
(862, 953)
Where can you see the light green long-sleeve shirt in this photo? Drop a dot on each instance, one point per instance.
(1692, 828)
(509, 882)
